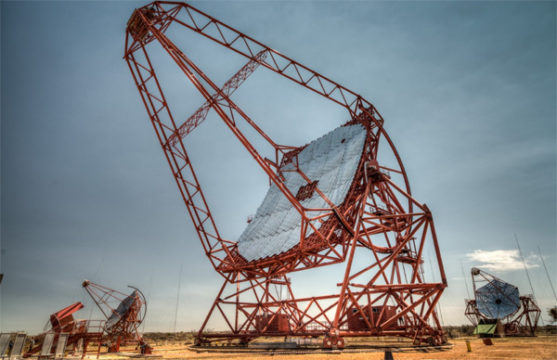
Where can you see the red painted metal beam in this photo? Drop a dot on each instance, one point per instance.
(378, 217)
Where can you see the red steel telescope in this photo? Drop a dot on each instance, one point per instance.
(329, 202)
(124, 313)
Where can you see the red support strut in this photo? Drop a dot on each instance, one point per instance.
(389, 296)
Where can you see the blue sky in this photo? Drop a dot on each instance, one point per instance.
(467, 90)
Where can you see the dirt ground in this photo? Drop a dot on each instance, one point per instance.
(541, 347)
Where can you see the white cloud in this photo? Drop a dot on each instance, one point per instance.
(501, 260)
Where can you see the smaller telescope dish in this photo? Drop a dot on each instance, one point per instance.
(497, 299)
(121, 310)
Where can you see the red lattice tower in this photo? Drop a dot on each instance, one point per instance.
(376, 216)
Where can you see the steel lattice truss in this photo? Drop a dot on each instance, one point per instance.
(389, 296)
(124, 313)
(495, 299)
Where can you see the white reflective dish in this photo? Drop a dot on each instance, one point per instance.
(332, 160)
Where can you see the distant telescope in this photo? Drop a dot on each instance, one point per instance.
(498, 309)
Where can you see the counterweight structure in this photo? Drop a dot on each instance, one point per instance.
(329, 201)
(78, 333)
(498, 302)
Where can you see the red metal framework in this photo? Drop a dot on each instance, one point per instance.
(80, 332)
(522, 322)
(124, 313)
(389, 296)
